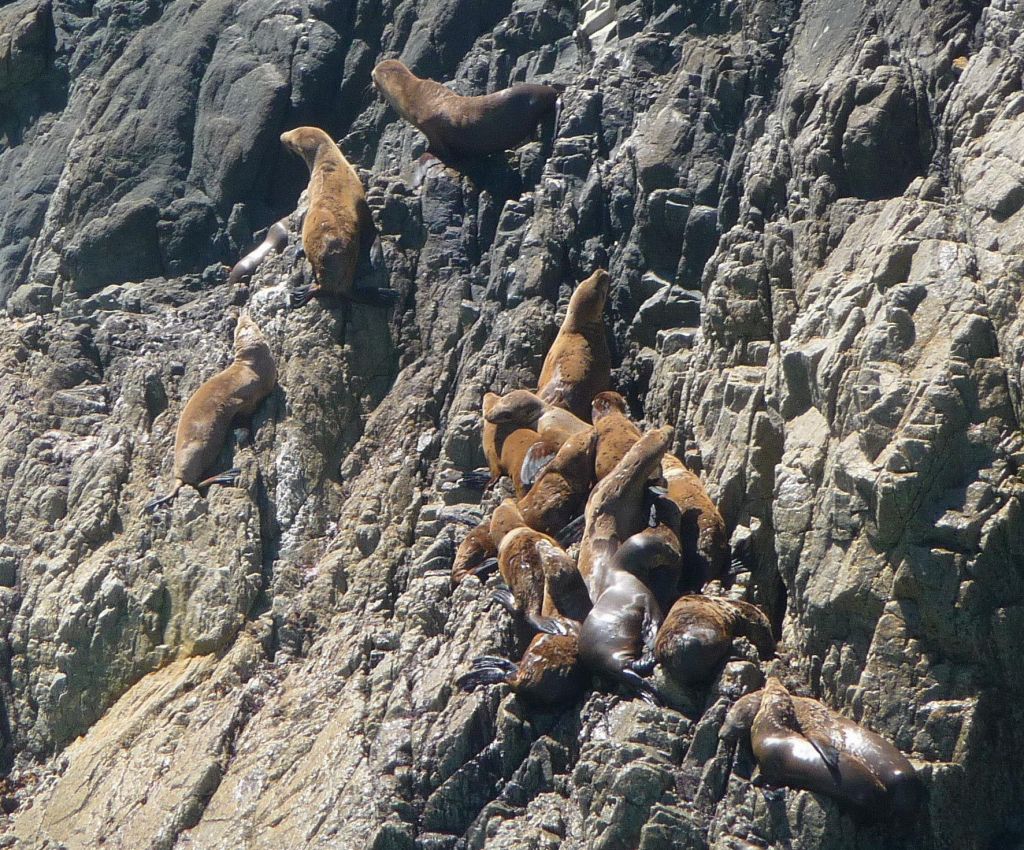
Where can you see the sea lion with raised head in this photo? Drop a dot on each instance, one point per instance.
(578, 364)
(799, 743)
(204, 422)
(548, 673)
(463, 126)
(698, 632)
(524, 409)
(617, 638)
(336, 220)
(276, 239)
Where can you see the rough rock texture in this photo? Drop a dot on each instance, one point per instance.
(812, 214)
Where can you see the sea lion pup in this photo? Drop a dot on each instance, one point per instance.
(697, 635)
(337, 217)
(561, 491)
(463, 126)
(524, 409)
(800, 743)
(699, 523)
(276, 239)
(578, 364)
(203, 424)
(549, 672)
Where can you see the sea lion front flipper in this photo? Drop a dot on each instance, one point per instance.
(493, 661)
(477, 479)
(159, 501)
(481, 676)
(548, 625)
(644, 689)
(537, 457)
(301, 296)
(505, 598)
(572, 533)
(484, 569)
(828, 752)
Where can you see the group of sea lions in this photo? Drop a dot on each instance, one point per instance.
(650, 537)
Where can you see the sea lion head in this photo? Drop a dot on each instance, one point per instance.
(248, 336)
(519, 407)
(605, 403)
(587, 302)
(506, 518)
(305, 141)
(740, 718)
(392, 79)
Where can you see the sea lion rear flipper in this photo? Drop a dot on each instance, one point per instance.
(571, 533)
(159, 501)
(495, 661)
(481, 676)
(481, 571)
(537, 457)
(229, 478)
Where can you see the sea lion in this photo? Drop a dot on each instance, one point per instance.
(697, 635)
(204, 422)
(617, 510)
(560, 493)
(473, 553)
(543, 583)
(337, 218)
(800, 743)
(616, 432)
(276, 239)
(463, 126)
(549, 672)
(617, 638)
(510, 449)
(524, 409)
(698, 522)
(578, 364)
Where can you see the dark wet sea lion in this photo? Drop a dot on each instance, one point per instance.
(463, 126)
(698, 632)
(549, 672)
(578, 364)
(276, 239)
(207, 415)
(800, 743)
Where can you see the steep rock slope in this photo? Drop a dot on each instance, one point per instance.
(812, 215)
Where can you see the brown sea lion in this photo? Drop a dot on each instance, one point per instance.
(463, 126)
(204, 422)
(578, 364)
(698, 632)
(276, 239)
(549, 672)
(701, 527)
(800, 743)
(473, 553)
(543, 583)
(698, 522)
(524, 409)
(561, 491)
(616, 432)
(336, 220)
(510, 450)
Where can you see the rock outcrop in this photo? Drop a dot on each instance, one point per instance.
(812, 217)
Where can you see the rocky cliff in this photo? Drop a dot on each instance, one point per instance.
(812, 215)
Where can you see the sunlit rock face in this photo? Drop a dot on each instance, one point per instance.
(812, 217)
